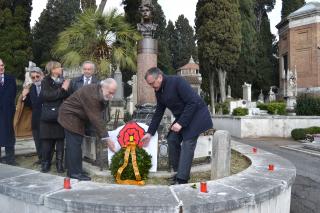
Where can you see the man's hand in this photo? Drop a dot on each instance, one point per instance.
(146, 139)
(176, 127)
(25, 92)
(110, 144)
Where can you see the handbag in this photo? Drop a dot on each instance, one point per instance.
(49, 113)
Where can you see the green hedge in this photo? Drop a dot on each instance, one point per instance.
(224, 106)
(308, 104)
(239, 111)
(300, 134)
(274, 108)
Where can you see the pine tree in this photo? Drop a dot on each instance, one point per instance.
(219, 39)
(245, 67)
(289, 6)
(15, 48)
(58, 15)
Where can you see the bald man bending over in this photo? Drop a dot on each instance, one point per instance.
(86, 104)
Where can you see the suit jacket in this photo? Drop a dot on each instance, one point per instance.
(185, 104)
(86, 104)
(34, 101)
(77, 83)
(8, 93)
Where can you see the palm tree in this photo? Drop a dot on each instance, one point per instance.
(103, 38)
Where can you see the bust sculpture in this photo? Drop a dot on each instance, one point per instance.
(146, 27)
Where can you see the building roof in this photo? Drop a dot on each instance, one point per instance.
(308, 9)
(190, 65)
(192, 79)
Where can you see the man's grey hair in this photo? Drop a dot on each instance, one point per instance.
(107, 82)
(154, 71)
(88, 62)
(35, 69)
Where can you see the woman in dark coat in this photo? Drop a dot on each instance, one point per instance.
(53, 91)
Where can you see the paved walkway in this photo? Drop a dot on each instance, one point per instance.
(306, 189)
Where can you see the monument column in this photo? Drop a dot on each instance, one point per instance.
(147, 53)
(147, 58)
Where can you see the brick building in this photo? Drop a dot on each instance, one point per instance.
(299, 48)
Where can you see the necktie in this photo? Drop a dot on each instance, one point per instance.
(38, 89)
(1, 80)
(86, 81)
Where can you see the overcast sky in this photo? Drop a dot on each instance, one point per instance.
(172, 9)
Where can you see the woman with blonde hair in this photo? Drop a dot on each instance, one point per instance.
(54, 89)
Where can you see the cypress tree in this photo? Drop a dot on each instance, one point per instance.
(88, 4)
(244, 70)
(289, 6)
(184, 41)
(219, 39)
(57, 15)
(15, 48)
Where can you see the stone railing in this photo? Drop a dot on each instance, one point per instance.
(273, 125)
(253, 190)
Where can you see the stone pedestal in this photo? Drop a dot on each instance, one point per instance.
(221, 155)
(246, 89)
(291, 102)
(147, 58)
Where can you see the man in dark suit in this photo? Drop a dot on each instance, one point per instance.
(32, 98)
(8, 90)
(87, 77)
(192, 117)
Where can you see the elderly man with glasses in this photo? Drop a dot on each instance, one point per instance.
(32, 98)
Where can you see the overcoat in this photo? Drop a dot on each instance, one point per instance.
(186, 105)
(53, 95)
(8, 93)
(86, 104)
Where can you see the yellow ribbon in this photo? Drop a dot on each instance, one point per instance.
(130, 149)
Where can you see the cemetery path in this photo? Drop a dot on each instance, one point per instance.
(306, 189)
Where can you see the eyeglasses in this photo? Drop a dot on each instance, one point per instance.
(35, 77)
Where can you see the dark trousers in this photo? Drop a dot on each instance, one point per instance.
(48, 148)
(181, 154)
(37, 142)
(73, 152)
(9, 158)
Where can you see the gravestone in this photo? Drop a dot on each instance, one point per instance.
(291, 91)
(221, 155)
(246, 90)
(229, 92)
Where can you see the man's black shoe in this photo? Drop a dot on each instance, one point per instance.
(80, 177)
(172, 178)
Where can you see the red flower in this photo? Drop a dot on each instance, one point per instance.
(131, 132)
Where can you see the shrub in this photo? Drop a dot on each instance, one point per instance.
(277, 108)
(308, 104)
(300, 134)
(273, 108)
(239, 111)
(262, 106)
(224, 106)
